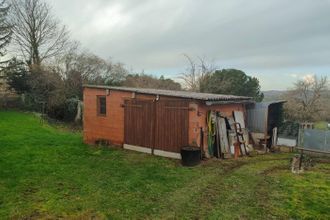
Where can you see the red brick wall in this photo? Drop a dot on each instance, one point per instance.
(110, 127)
(197, 119)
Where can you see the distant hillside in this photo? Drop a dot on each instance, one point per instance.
(272, 95)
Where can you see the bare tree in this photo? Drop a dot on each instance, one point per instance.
(305, 100)
(38, 35)
(196, 73)
(92, 68)
(190, 77)
(5, 30)
(78, 67)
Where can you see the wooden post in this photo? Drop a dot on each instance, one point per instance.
(300, 159)
(236, 149)
(266, 128)
(201, 141)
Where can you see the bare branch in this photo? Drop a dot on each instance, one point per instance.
(196, 74)
(5, 30)
(305, 101)
(38, 35)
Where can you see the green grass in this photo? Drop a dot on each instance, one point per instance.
(322, 125)
(48, 172)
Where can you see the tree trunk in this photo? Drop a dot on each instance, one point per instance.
(79, 112)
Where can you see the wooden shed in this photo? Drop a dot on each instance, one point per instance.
(153, 121)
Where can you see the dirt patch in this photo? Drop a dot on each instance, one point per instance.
(231, 167)
(321, 160)
(30, 191)
(91, 215)
(274, 169)
(272, 159)
(34, 215)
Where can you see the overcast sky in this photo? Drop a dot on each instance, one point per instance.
(277, 41)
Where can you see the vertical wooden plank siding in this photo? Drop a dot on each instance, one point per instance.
(162, 125)
(172, 125)
(138, 120)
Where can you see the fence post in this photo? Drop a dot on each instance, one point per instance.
(301, 158)
(300, 137)
(325, 140)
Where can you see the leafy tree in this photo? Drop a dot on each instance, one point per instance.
(148, 81)
(17, 76)
(46, 86)
(37, 84)
(169, 84)
(234, 82)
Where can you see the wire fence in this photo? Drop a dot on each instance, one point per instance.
(314, 140)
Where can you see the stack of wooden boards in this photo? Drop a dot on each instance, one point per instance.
(223, 132)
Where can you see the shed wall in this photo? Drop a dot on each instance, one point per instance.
(256, 119)
(197, 119)
(111, 126)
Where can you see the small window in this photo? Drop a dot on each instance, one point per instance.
(101, 105)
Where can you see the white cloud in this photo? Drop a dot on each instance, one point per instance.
(294, 75)
(108, 18)
(309, 78)
(256, 36)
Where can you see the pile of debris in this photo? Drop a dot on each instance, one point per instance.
(227, 136)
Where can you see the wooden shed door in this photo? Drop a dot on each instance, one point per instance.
(161, 125)
(139, 122)
(172, 123)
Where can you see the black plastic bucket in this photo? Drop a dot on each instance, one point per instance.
(191, 156)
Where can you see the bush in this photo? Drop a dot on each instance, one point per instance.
(289, 129)
(65, 111)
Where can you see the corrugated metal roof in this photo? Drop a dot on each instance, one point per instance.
(180, 94)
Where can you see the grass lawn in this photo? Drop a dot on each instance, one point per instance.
(46, 172)
(322, 125)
